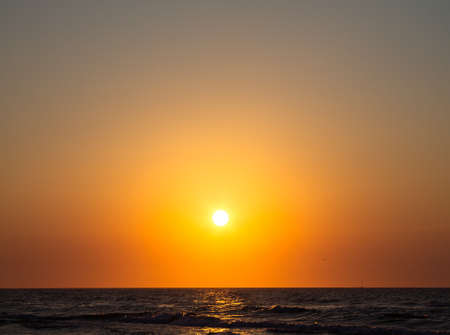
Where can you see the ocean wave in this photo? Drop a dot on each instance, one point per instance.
(195, 320)
(276, 309)
(288, 309)
(404, 315)
(436, 303)
(351, 330)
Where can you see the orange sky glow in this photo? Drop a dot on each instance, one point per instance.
(123, 130)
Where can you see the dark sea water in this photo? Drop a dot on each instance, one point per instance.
(225, 311)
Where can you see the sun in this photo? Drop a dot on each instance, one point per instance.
(220, 217)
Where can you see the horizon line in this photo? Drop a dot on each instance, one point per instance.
(218, 287)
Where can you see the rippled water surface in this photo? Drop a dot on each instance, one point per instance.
(225, 311)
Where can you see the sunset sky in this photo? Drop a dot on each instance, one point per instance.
(321, 127)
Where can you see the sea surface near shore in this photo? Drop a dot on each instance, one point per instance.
(373, 311)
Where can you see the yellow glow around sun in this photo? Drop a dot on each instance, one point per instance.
(220, 217)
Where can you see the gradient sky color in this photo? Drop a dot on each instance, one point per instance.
(321, 127)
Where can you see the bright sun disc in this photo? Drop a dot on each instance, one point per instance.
(220, 217)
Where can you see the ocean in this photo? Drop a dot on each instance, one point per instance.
(373, 311)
